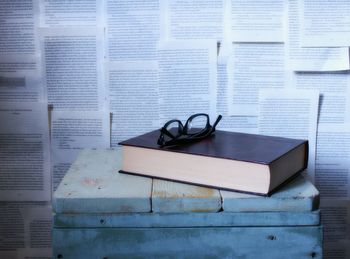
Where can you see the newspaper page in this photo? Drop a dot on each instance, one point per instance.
(76, 13)
(73, 68)
(325, 23)
(133, 97)
(24, 152)
(132, 29)
(247, 124)
(311, 59)
(334, 91)
(20, 79)
(257, 21)
(252, 67)
(190, 20)
(333, 160)
(335, 217)
(19, 22)
(187, 78)
(73, 131)
(291, 114)
(25, 230)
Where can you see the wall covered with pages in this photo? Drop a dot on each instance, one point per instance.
(110, 70)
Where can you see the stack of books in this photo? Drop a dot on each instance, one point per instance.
(226, 160)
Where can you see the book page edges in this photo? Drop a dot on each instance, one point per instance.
(197, 169)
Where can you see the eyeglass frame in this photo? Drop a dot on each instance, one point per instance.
(182, 130)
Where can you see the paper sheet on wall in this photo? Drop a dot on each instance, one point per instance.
(184, 20)
(335, 217)
(25, 230)
(325, 23)
(253, 67)
(73, 131)
(246, 124)
(291, 114)
(20, 79)
(19, 52)
(222, 96)
(257, 21)
(19, 22)
(133, 94)
(24, 152)
(334, 89)
(132, 30)
(187, 78)
(311, 59)
(73, 68)
(332, 176)
(339, 249)
(71, 13)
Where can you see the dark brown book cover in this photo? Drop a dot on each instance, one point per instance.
(228, 145)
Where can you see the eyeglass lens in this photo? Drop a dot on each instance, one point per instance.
(196, 124)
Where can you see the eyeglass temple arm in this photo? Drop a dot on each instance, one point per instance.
(216, 122)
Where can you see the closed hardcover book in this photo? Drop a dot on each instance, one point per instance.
(226, 160)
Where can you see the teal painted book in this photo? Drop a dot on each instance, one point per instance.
(226, 160)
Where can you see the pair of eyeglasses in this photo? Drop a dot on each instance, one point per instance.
(197, 127)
